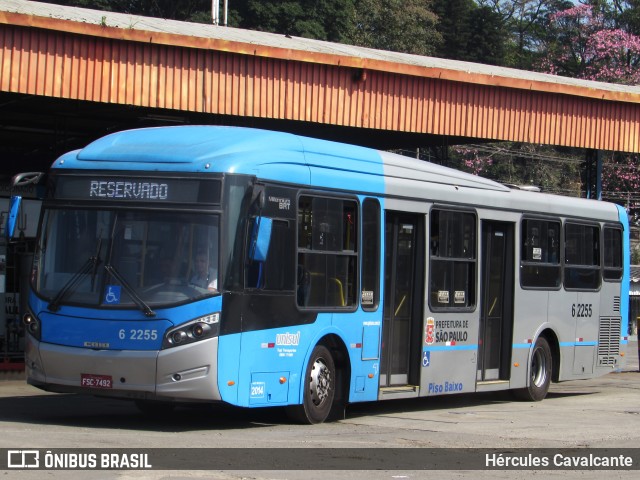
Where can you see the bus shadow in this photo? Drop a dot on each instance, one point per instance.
(97, 412)
(446, 402)
(85, 411)
(441, 402)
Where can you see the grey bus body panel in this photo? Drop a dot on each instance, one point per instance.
(187, 373)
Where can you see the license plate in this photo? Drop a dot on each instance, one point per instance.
(90, 380)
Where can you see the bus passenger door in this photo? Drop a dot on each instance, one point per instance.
(404, 273)
(496, 314)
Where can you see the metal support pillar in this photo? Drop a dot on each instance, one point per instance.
(592, 174)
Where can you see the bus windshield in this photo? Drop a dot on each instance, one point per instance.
(116, 258)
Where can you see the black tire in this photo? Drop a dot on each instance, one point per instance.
(539, 373)
(319, 389)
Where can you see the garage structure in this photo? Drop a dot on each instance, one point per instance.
(70, 75)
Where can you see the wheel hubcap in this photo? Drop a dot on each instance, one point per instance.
(320, 382)
(538, 368)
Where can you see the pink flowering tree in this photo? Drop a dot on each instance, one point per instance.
(585, 44)
(621, 182)
(472, 160)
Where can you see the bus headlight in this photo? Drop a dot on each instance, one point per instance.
(32, 325)
(193, 331)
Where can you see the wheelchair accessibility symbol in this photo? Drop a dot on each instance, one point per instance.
(112, 295)
(426, 358)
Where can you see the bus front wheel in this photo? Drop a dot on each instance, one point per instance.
(319, 388)
(539, 373)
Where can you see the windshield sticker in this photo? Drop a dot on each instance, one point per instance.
(443, 296)
(112, 295)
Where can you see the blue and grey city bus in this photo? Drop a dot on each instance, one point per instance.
(258, 268)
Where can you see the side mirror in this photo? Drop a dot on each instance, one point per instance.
(12, 218)
(260, 239)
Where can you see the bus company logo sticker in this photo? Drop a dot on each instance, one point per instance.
(284, 343)
(288, 339)
(112, 295)
(429, 331)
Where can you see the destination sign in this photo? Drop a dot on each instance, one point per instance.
(130, 189)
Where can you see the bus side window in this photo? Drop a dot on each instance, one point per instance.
(370, 290)
(612, 254)
(327, 252)
(453, 260)
(540, 254)
(582, 257)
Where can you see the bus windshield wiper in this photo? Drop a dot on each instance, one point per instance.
(130, 290)
(91, 263)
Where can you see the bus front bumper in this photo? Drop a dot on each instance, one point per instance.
(186, 373)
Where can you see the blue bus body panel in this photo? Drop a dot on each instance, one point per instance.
(207, 149)
(188, 148)
(251, 365)
(626, 275)
(114, 329)
(229, 375)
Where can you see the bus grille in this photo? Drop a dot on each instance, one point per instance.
(609, 341)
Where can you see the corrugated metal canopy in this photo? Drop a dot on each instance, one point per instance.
(78, 54)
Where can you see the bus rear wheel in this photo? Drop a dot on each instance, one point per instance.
(539, 373)
(319, 389)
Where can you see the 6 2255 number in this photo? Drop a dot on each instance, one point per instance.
(138, 334)
(582, 310)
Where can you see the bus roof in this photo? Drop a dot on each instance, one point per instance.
(289, 158)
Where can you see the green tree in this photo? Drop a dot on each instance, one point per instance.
(526, 22)
(319, 19)
(488, 38)
(470, 33)
(629, 15)
(190, 10)
(454, 18)
(398, 25)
